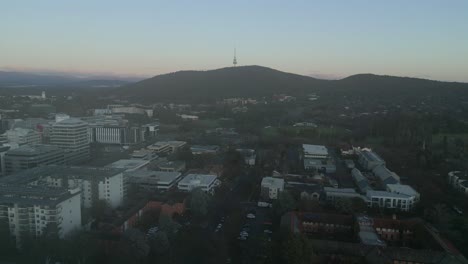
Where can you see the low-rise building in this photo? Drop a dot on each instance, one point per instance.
(167, 147)
(248, 155)
(322, 165)
(153, 180)
(22, 136)
(391, 200)
(361, 182)
(385, 175)
(404, 189)
(271, 187)
(334, 194)
(368, 159)
(206, 149)
(144, 154)
(206, 182)
(30, 156)
(171, 166)
(459, 181)
(315, 151)
(129, 164)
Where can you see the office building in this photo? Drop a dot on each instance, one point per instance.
(167, 147)
(206, 182)
(30, 156)
(208, 149)
(171, 166)
(315, 151)
(271, 187)
(153, 180)
(22, 136)
(129, 164)
(71, 135)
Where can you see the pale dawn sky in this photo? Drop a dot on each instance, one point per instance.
(427, 39)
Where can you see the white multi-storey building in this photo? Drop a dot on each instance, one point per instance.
(153, 180)
(315, 151)
(33, 210)
(391, 200)
(271, 187)
(206, 182)
(71, 134)
(106, 184)
(167, 146)
(22, 136)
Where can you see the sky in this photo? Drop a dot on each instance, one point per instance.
(420, 38)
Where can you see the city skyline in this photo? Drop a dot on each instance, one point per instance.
(331, 40)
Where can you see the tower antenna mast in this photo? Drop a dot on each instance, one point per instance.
(235, 58)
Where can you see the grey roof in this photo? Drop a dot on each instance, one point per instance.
(144, 176)
(58, 171)
(360, 180)
(127, 164)
(70, 121)
(33, 150)
(371, 193)
(371, 155)
(33, 195)
(385, 175)
(205, 147)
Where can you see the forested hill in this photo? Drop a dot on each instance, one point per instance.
(245, 81)
(257, 81)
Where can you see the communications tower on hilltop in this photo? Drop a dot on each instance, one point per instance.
(235, 58)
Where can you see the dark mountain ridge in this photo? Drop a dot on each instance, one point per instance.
(258, 81)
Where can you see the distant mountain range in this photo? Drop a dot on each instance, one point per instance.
(11, 79)
(257, 81)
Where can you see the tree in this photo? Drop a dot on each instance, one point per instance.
(81, 247)
(159, 242)
(297, 250)
(199, 201)
(134, 244)
(168, 225)
(351, 205)
(284, 203)
(7, 245)
(99, 209)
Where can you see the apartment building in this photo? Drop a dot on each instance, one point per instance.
(33, 210)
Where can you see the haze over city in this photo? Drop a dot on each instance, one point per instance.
(240, 132)
(332, 39)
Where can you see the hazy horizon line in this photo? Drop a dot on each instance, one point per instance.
(116, 75)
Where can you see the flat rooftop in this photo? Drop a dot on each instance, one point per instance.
(171, 164)
(201, 179)
(371, 193)
(205, 147)
(273, 182)
(128, 164)
(58, 171)
(33, 150)
(33, 195)
(403, 189)
(141, 176)
(315, 150)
